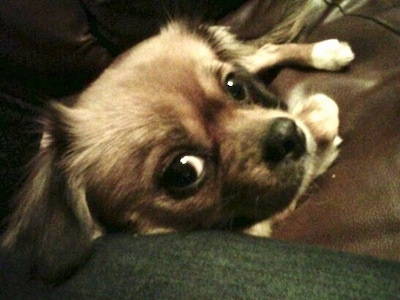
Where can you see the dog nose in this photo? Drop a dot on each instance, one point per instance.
(283, 140)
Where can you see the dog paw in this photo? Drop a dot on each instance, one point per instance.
(322, 118)
(331, 55)
(321, 115)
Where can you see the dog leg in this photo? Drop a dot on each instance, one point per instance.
(330, 55)
(321, 115)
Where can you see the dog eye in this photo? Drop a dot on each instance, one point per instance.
(235, 87)
(184, 175)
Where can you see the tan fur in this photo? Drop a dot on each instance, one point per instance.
(104, 157)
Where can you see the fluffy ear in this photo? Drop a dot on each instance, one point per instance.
(52, 229)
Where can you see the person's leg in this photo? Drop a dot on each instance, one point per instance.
(223, 265)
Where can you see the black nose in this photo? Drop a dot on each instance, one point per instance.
(284, 139)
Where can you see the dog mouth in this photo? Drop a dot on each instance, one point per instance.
(255, 206)
(269, 186)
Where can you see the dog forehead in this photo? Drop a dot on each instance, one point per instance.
(163, 93)
(175, 63)
(175, 46)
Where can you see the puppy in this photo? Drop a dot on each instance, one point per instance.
(177, 134)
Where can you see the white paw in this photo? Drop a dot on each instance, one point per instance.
(331, 55)
(320, 113)
(323, 122)
(323, 117)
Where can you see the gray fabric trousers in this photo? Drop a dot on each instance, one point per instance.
(215, 265)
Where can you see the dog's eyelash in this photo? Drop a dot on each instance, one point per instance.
(217, 69)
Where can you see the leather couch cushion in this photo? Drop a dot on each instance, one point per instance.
(355, 206)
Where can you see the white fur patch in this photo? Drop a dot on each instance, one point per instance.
(261, 229)
(331, 55)
(325, 114)
(326, 117)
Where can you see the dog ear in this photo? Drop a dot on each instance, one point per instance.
(52, 229)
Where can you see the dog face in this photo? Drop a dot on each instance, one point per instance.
(171, 137)
(175, 135)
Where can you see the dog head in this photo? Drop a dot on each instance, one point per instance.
(174, 135)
